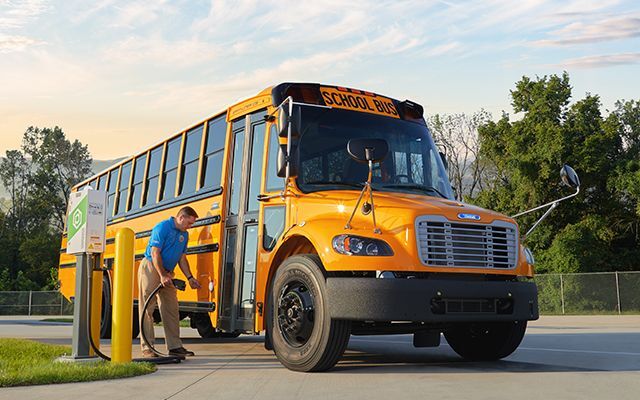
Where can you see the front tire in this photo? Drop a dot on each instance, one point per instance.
(486, 341)
(303, 335)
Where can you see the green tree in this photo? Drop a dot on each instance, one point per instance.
(38, 179)
(590, 232)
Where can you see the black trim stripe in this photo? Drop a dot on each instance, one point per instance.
(110, 241)
(207, 221)
(143, 234)
(206, 248)
(68, 265)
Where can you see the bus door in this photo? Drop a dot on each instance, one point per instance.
(237, 311)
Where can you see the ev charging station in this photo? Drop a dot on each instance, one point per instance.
(86, 226)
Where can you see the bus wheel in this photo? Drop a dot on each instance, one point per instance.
(202, 323)
(488, 341)
(304, 336)
(105, 314)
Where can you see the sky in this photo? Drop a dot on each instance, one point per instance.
(122, 75)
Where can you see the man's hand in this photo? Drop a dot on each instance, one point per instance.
(193, 282)
(166, 280)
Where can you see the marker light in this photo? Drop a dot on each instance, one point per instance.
(360, 246)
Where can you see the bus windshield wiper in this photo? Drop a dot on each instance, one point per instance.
(430, 189)
(350, 184)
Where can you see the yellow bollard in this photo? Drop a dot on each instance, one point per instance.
(121, 328)
(96, 309)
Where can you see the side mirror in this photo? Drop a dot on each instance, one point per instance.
(443, 157)
(569, 177)
(282, 162)
(365, 150)
(284, 119)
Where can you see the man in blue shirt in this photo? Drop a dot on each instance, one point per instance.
(167, 247)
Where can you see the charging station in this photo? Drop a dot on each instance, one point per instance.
(86, 226)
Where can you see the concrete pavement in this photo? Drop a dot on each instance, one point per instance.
(593, 357)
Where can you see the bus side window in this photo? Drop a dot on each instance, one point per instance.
(153, 175)
(170, 174)
(213, 153)
(273, 226)
(123, 189)
(274, 182)
(113, 179)
(136, 184)
(190, 160)
(102, 182)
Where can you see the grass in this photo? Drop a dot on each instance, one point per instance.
(25, 362)
(185, 323)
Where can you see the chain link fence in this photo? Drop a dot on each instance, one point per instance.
(587, 293)
(34, 303)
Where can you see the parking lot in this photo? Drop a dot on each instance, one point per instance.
(593, 357)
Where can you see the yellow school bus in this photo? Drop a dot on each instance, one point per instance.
(324, 212)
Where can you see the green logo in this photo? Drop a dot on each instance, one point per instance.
(77, 218)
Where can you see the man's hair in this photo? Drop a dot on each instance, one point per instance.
(188, 212)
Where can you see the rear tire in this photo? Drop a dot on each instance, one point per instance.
(486, 341)
(303, 335)
(106, 310)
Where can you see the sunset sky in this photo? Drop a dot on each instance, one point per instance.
(121, 75)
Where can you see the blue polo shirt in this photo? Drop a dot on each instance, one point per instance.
(171, 241)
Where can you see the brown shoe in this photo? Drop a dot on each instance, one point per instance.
(148, 354)
(181, 352)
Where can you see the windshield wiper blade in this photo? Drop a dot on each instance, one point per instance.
(350, 184)
(413, 186)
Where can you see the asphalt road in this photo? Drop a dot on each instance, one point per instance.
(560, 358)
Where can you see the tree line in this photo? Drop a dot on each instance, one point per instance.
(508, 165)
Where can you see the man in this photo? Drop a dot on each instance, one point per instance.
(166, 248)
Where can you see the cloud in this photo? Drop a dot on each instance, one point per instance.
(602, 61)
(15, 15)
(583, 32)
(17, 43)
(155, 51)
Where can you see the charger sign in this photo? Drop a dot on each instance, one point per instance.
(86, 221)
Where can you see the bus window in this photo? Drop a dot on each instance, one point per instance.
(153, 174)
(171, 169)
(102, 182)
(273, 226)
(113, 179)
(190, 160)
(255, 173)
(93, 184)
(274, 182)
(214, 150)
(136, 185)
(123, 191)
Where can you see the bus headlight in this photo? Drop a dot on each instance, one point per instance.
(529, 256)
(352, 245)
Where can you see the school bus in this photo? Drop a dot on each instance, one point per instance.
(324, 212)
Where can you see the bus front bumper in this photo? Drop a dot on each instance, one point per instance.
(431, 300)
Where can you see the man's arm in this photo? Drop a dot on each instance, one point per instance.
(165, 276)
(184, 266)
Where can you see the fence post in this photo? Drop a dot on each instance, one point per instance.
(618, 293)
(562, 293)
(30, 294)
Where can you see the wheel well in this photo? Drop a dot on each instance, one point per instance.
(294, 245)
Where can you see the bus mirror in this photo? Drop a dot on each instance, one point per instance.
(365, 150)
(282, 162)
(284, 120)
(569, 177)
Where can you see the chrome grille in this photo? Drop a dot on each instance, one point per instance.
(466, 245)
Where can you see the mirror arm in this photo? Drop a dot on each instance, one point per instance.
(553, 206)
(548, 204)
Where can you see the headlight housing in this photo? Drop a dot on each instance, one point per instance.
(352, 245)
(529, 256)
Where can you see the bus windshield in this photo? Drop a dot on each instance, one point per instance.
(413, 164)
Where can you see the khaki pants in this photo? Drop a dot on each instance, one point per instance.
(167, 298)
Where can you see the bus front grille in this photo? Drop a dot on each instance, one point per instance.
(466, 245)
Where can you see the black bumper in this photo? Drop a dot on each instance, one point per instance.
(430, 300)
